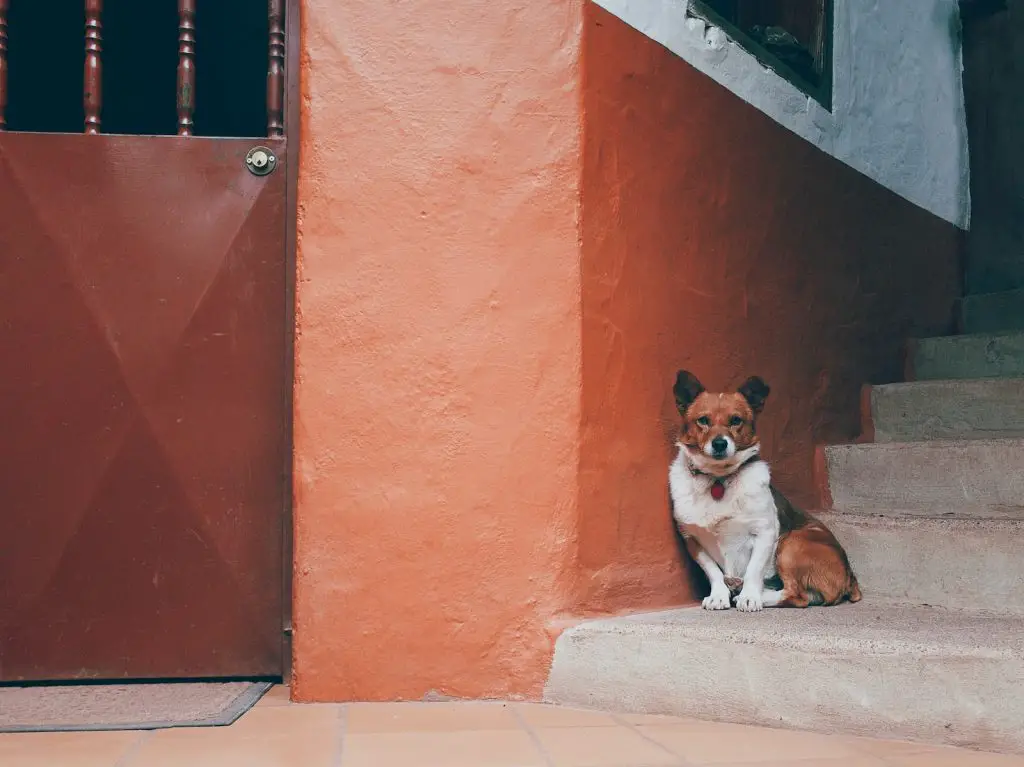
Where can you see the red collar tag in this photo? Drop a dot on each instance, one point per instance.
(718, 489)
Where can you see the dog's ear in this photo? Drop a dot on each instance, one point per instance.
(687, 389)
(755, 392)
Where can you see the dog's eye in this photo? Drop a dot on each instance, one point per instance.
(735, 421)
(704, 421)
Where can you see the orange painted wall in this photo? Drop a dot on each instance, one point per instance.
(438, 351)
(715, 240)
(516, 221)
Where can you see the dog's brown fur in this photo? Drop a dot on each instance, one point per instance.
(811, 563)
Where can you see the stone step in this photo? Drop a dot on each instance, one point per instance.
(999, 355)
(954, 563)
(933, 478)
(888, 671)
(992, 312)
(983, 408)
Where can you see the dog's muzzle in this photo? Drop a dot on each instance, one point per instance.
(720, 447)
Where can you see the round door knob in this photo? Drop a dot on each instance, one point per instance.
(260, 161)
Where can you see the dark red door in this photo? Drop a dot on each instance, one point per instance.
(143, 405)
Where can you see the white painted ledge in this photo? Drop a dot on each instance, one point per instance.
(898, 108)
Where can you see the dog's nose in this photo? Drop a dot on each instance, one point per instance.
(719, 444)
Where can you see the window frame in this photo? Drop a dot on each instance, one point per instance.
(820, 92)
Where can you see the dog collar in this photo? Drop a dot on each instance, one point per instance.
(717, 488)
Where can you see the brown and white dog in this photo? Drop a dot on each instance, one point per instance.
(743, 532)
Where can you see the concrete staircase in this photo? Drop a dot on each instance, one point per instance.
(989, 312)
(932, 514)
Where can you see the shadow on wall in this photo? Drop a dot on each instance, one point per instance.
(714, 239)
(993, 74)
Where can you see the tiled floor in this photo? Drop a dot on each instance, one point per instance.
(277, 733)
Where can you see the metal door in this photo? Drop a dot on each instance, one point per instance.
(144, 432)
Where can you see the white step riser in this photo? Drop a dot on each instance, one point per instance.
(977, 356)
(940, 477)
(993, 312)
(948, 410)
(950, 563)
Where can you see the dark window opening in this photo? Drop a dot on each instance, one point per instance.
(140, 58)
(791, 37)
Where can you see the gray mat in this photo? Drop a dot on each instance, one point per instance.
(143, 706)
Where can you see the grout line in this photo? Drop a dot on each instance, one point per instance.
(133, 750)
(533, 735)
(629, 725)
(342, 732)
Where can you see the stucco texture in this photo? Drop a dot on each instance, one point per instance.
(516, 221)
(716, 240)
(437, 396)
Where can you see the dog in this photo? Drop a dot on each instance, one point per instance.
(748, 539)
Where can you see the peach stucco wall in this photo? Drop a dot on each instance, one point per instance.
(715, 240)
(437, 392)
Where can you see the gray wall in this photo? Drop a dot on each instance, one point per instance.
(994, 91)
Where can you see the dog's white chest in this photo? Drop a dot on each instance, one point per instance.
(725, 528)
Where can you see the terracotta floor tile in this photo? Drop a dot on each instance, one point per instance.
(66, 749)
(722, 744)
(275, 696)
(886, 748)
(468, 748)
(601, 747)
(540, 715)
(278, 734)
(655, 719)
(274, 736)
(429, 717)
(852, 761)
(953, 757)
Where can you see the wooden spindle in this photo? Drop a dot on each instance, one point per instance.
(275, 72)
(3, 64)
(819, 38)
(93, 86)
(186, 66)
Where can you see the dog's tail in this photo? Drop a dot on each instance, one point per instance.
(814, 597)
(849, 594)
(853, 594)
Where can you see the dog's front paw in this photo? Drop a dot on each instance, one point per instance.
(749, 602)
(719, 600)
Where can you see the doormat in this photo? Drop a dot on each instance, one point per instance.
(139, 706)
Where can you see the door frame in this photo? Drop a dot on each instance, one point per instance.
(292, 123)
(292, 136)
